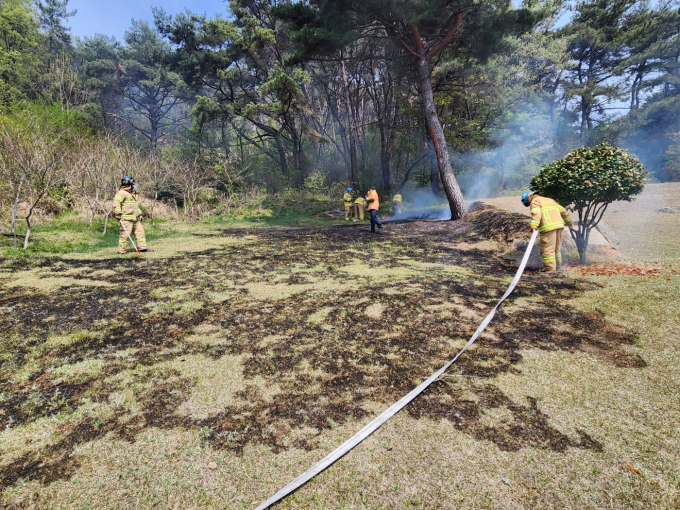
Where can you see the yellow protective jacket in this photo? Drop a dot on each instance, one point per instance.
(125, 205)
(373, 200)
(546, 214)
(347, 198)
(397, 198)
(361, 201)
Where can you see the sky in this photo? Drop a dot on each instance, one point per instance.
(112, 17)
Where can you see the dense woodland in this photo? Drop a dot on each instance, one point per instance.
(282, 96)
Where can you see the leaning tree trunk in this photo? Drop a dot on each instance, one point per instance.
(29, 218)
(449, 183)
(434, 167)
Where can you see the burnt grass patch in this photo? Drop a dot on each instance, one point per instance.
(323, 373)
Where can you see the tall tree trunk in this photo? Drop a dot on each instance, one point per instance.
(299, 155)
(282, 154)
(451, 188)
(385, 157)
(15, 213)
(434, 167)
(352, 130)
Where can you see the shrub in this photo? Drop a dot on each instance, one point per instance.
(586, 181)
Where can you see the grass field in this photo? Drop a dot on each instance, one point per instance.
(211, 373)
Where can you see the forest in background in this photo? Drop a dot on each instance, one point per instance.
(282, 97)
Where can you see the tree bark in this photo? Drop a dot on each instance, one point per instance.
(352, 129)
(15, 212)
(449, 183)
(28, 228)
(282, 154)
(434, 167)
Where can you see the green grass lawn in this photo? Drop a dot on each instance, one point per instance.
(214, 370)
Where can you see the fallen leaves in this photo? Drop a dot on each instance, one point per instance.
(632, 470)
(612, 269)
(636, 471)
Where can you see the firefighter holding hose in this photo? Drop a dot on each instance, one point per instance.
(549, 218)
(126, 211)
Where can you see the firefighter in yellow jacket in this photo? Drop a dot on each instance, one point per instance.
(359, 206)
(126, 210)
(396, 203)
(549, 218)
(347, 199)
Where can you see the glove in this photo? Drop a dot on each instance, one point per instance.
(140, 218)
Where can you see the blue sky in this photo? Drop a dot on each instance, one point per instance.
(113, 17)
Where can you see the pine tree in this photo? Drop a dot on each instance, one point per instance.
(53, 13)
(422, 29)
(596, 46)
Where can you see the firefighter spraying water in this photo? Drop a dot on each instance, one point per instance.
(549, 218)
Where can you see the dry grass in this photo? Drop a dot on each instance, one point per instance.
(263, 351)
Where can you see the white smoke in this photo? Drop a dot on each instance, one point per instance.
(422, 204)
(522, 148)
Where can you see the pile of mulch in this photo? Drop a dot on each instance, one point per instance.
(613, 269)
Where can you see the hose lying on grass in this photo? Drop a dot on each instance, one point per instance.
(398, 406)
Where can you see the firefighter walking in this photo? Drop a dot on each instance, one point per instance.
(126, 210)
(347, 199)
(549, 218)
(373, 206)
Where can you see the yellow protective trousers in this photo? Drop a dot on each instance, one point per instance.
(550, 243)
(359, 211)
(135, 229)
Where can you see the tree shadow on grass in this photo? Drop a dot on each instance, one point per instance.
(327, 373)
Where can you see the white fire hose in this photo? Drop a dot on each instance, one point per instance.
(129, 236)
(398, 406)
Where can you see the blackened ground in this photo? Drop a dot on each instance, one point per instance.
(328, 372)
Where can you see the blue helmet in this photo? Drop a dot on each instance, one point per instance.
(127, 181)
(349, 189)
(525, 198)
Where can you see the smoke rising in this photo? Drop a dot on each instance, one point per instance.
(522, 147)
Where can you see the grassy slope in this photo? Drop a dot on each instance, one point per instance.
(504, 438)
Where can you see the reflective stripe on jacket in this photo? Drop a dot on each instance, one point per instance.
(347, 198)
(360, 201)
(125, 205)
(373, 200)
(546, 214)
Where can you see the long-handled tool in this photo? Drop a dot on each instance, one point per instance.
(130, 238)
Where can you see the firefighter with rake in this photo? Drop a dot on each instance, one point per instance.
(126, 211)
